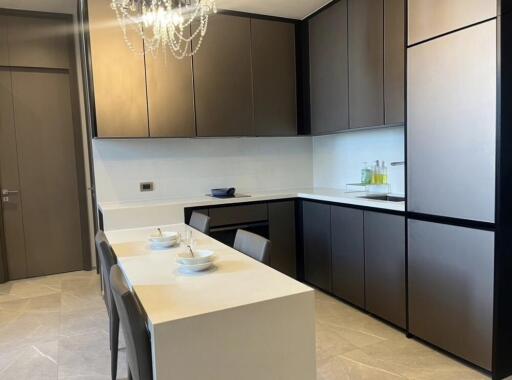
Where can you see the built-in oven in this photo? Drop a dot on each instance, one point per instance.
(225, 220)
(227, 234)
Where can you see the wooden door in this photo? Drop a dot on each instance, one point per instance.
(394, 61)
(316, 219)
(9, 180)
(366, 62)
(39, 42)
(328, 53)
(348, 254)
(223, 79)
(4, 50)
(119, 78)
(274, 78)
(170, 88)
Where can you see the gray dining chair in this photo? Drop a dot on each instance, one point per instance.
(107, 260)
(136, 335)
(253, 245)
(200, 222)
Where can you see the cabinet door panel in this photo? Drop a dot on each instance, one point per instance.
(328, 52)
(316, 219)
(451, 125)
(430, 18)
(348, 254)
(394, 61)
(281, 216)
(39, 42)
(118, 74)
(274, 77)
(222, 78)
(170, 88)
(451, 278)
(366, 66)
(384, 239)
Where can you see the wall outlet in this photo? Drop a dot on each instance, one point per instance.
(146, 186)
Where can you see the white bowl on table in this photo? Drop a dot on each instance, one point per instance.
(200, 261)
(166, 239)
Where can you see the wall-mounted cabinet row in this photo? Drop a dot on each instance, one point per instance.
(358, 256)
(356, 52)
(242, 81)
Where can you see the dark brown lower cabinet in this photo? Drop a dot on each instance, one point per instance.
(348, 254)
(316, 219)
(384, 241)
(281, 218)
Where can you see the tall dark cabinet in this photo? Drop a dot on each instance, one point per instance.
(348, 254)
(366, 55)
(394, 61)
(170, 88)
(317, 244)
(4, 48)
(281, 220)
(328, 52)
(223, 81)
(274, 77)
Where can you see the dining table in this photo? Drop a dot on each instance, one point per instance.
(238, 320)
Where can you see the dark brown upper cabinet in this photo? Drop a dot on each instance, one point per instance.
(274, 78)
(4, 50)
(223, 80)
(366, 62)
(170, 87)
(119, 78)
(328, 51)
(394, 61)
(39, 42)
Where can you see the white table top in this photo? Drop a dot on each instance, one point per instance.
(167, 294)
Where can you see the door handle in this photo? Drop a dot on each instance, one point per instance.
(6, 192)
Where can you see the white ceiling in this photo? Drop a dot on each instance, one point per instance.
(297, 9)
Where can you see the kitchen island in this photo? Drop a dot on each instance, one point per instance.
(238, 320)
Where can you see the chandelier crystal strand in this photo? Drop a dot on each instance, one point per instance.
(179, 25)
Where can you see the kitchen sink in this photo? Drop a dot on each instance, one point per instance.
(384, 197)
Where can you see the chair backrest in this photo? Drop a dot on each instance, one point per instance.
(136, 335)
(200, 222)
(107, 259)
(253, 245)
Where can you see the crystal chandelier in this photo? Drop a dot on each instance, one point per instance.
(179, 25)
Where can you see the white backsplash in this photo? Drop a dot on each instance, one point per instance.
(191, 167)
(338, 159)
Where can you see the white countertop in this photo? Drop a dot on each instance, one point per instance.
(167, 294)
(167, 211)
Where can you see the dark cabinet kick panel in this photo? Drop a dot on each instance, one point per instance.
(223, 82)
(328, 52)
(316, 219)
(366, 55)
(384, 241)
(170, 88)
(348, 254)
(274, 77)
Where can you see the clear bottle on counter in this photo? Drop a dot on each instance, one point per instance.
(366, 174)
(376, 173)
(384, 173)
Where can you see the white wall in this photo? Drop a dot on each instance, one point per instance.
(191, 167)
(338, 159)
